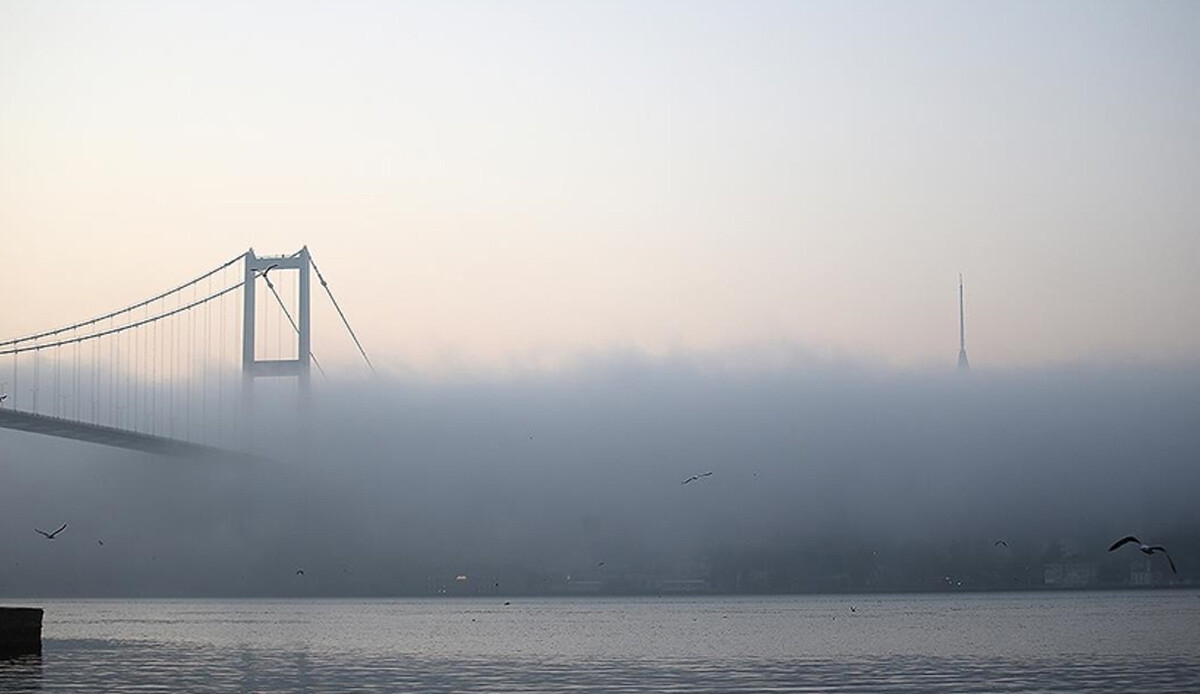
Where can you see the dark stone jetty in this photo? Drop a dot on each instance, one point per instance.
(20, 630)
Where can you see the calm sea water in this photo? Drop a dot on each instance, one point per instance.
(1029, 642)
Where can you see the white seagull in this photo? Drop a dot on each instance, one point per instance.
(50, 536)
(693, 478)
(1145, 549)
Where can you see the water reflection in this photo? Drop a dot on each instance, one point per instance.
(100, 665)
(994, 643)
(21, 673)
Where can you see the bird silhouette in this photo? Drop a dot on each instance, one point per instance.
(999, 542)
(1145, 549)
(3, 397)
(51, 536)
(693, 478)
(299, 572)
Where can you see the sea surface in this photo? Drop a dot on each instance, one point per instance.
(995, 642)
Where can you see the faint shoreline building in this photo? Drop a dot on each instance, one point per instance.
(1072, 575)
(963, 364)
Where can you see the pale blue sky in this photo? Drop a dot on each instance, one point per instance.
(485, 182)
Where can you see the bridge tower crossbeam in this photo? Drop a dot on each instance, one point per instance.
(256, 267)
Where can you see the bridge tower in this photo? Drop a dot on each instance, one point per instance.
(257, 266)
(963, 364)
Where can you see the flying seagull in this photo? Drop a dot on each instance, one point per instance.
(999, 542)
(299, 572)
(50, 536)
(3, 397)
(693, 478)
(1145, 549)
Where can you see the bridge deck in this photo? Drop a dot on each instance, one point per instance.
(107, 436)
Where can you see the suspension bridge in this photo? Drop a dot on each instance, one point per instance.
(173, 374)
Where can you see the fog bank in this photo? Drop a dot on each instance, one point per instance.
(840, 474)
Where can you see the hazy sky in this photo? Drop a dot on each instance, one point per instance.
(498, 182)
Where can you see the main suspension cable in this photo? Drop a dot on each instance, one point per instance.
(119, 312)
(295, 327)
(328, 291)
(128, 326)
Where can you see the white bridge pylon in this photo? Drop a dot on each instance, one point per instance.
(300, 367)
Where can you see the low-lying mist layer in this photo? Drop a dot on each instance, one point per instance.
(823, 479)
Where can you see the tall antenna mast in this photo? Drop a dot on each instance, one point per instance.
(963, 365)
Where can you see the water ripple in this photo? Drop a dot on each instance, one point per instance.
(84, 666)
(1014, 643)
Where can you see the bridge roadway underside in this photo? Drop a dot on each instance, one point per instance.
(107, 436)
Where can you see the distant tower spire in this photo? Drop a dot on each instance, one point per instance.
(963, 365)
